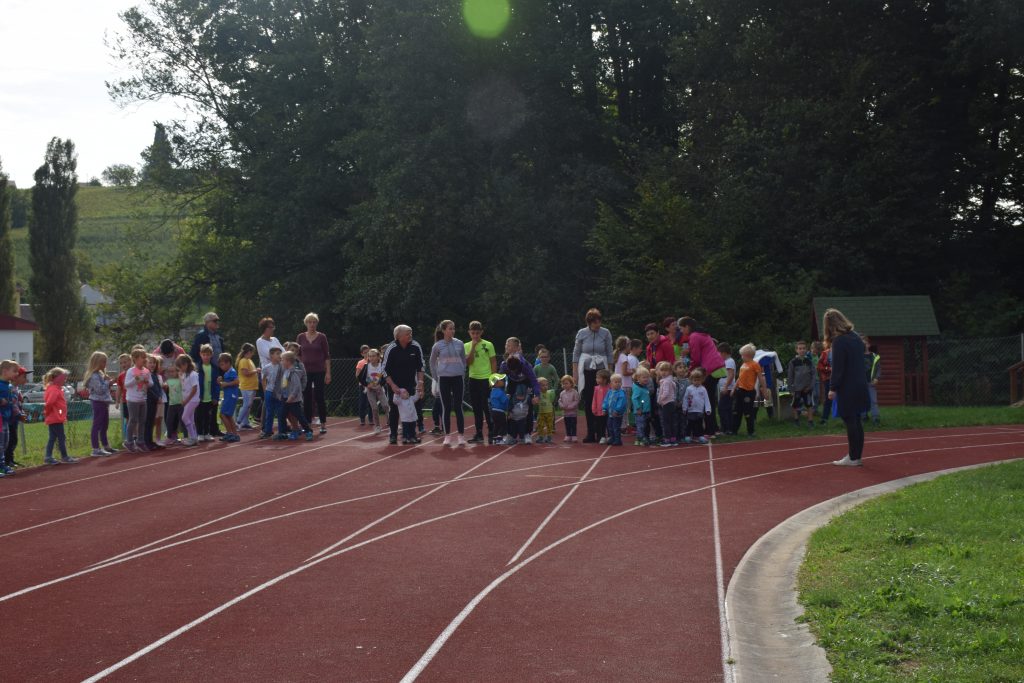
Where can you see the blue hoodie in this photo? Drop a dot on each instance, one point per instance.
(499, 400)
(615, 402)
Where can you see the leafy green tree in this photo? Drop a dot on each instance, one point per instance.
(8, 295)
(120, 175)
(56, 300)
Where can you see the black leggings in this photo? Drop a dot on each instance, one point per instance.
(711, 421)
(315, 389)
(587, 399)
(854, 436)
(451, 391)
(479, 389)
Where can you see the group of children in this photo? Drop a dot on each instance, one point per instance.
(165, 399)
(666, 404)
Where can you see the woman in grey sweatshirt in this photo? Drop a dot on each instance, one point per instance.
(591, 352)
(448, 361)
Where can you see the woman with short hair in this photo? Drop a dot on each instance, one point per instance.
(591, 352)
(316, 358)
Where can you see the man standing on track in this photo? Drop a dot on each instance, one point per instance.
(403, 369)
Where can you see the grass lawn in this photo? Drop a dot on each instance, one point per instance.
(925, 584)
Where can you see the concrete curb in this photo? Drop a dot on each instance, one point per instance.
(765, 641)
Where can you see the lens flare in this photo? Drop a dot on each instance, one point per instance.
(486, 18)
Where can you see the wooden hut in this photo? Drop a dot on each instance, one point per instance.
(899, 326)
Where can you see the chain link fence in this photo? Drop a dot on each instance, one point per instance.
(972, 372)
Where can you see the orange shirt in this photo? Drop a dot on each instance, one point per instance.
(748, 374)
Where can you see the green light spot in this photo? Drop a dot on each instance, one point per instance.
(486, 18)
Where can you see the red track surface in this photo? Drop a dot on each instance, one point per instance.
(632, 597)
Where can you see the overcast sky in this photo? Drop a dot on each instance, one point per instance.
(53, 66)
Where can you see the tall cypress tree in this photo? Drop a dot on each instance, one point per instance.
(53, 287)
(7, 293)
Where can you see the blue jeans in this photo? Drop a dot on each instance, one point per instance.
(873, 393)
(615, 430)
(641, 425)
(56, 436)
(272, 409)
(243, 414)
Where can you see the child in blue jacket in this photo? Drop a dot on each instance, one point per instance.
(614, 406)
(641, 397)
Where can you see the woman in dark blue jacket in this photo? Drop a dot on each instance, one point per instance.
(848, 387)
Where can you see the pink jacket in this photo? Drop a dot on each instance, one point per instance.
(704, 353)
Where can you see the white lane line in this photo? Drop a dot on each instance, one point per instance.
(436, 647)
(323, 506)
(163, 461)
(453, 626)
(173, 488)
(405, 506)
(555, 509)
(723, 625)
(247, 509)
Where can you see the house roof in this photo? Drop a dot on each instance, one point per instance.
(883, 316)
(10, 322)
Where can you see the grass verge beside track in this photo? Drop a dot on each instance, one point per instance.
(924, 584)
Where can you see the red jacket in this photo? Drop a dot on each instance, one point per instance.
(660, 350)
(55, 406)
(824, 367)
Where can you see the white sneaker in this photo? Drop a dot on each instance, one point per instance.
(846, 462)
(376, 430)
(460, 440)
(98, 453)
(447, 440)
(527, 440)
(316, 422)
(604, 440)
(508, 441)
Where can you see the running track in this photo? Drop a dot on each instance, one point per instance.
(349, 560)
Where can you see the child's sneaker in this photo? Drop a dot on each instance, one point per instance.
(69, 460)
(460, 440)
(527, 440)
(293, 436)
(508, 441)
(49, 461)
(309, 435)
(280, 437)
(7, 470)
(130, 447)
(603, 441)
(447, 440)
(688, 440)
(142, 447)
(376, 430)
(109, 450)
(567, 439)
(702, 440)
(98, 453)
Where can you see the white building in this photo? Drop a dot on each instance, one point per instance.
(17, 339)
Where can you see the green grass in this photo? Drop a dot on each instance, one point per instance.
(893, 418)
(77, 436)
(925, 584)
(107, 218)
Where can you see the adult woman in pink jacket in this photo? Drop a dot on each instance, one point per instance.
(704, 354)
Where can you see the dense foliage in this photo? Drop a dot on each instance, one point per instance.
(56, 302)
(8, 295)
(376, 161)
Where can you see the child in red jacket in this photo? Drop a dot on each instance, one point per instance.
(55, 414)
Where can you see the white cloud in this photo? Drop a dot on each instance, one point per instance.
(53, 66)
